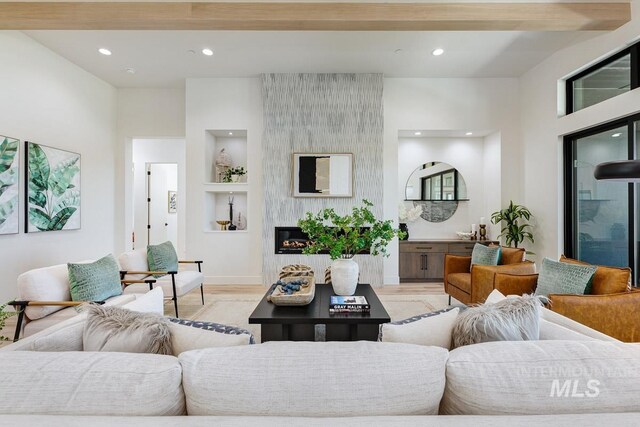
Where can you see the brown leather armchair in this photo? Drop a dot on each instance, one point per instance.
(612, 308)
(473, 284)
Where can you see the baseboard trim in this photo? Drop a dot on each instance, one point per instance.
(392, 280)
(233, 280)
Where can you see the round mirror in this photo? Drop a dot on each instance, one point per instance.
(438, 187)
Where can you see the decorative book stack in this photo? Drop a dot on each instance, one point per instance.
(353, 304)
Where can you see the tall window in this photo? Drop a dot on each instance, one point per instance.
(608, 78)
(600, 222)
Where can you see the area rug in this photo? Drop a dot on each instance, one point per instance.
(234, 309)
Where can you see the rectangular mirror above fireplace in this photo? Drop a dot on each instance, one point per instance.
(323, 175)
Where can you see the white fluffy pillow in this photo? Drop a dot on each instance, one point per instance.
(427, 329)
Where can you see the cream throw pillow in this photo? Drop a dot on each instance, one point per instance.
(122, 330)
(427, 329)
(192, 335)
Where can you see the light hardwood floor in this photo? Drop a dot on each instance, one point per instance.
(402, 289)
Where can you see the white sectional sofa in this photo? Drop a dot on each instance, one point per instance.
(584, 382)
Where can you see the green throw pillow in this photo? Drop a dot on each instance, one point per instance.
(162, 257)
(95, 281)
(564, 278)
(485, 255)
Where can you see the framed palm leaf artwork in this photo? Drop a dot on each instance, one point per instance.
(9, 178)
(52, 189)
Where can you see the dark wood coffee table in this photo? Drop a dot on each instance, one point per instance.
(297, 323)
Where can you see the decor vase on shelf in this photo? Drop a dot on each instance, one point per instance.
(344, 237)
(405, 230)
(234, 174)
(408, 215)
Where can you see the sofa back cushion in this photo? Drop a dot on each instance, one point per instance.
(542, 377)
(86, 383)
(511, 255)
(606, 280)
(134, 261)
(44, 284)
(314, 379)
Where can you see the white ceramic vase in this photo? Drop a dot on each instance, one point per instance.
(344, 276)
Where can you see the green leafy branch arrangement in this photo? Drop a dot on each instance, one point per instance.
(8, 176)
(51, 191)
(4, 315)
(348, 235)
(240, 170)
(513, 231)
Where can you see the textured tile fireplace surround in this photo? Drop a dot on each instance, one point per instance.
(319, 113)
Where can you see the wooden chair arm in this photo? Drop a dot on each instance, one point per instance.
(132, 281)
(58, 303)
(148, 273)
(190, 262)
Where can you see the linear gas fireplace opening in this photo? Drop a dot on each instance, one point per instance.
(290, 240)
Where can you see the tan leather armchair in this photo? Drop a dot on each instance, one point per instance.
(473, 284)
(612, 307)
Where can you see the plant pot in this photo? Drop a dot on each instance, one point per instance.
(235, 178)
(403, 227)
(344, 276)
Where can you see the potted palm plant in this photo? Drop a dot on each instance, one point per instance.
(343, 237)
(4, 315)
(515, 229)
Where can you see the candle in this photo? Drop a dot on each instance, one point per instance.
(474, 228)
(482, 220)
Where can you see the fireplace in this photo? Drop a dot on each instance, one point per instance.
(292, 240)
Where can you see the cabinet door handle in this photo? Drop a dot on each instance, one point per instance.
(425, 262)
(422, 262)
(424, 247)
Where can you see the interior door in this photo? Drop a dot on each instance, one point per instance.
(162, 212)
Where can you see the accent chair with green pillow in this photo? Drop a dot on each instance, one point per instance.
(162, 262)
(94, 281)
(472, 283)
(611, 307)
(564, 278)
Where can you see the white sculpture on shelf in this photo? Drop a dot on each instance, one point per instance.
(223, 163)
(241, 223)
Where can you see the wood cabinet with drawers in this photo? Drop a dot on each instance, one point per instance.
(423, 260)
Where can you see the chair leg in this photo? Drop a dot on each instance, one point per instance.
(16, 336)
(202, 292)
(175, 304)
(175, 294)
(449, 299)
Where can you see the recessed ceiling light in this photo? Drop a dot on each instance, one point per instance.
(104, 51)
(191, 51)
(130, 70)
(469, 133)
(207, 51)
(437, 52)
(397, 51)
(230, 133)
(417, 133)
(616, 135)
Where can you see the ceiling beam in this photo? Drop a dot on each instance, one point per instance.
(313, 16)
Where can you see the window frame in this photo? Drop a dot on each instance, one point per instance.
(570, 196)
(634, 60)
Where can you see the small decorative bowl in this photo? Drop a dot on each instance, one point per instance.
(223, 224)
(464, 235)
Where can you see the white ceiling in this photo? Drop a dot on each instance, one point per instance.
(162, 58)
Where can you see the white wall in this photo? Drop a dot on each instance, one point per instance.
(142, 113)
(158, 151)
(475, 164)
(48, 100)
(216, 104)
(543, 126)
(451, 104)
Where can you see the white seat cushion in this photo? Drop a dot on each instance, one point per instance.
(186, 281)
(41, 324)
